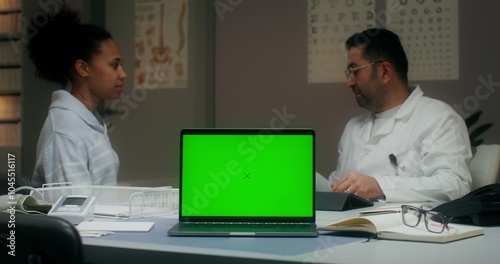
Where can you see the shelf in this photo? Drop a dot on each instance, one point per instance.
(10, 109)
(10, 81)
(10, 66)
(10, 20)
(11, 49)
(10, 93)
(10, 121)
(10, 6)
(10, 11)
(9, 36)
(11, 133)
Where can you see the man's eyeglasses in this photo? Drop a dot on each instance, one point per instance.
(351, 72)
(434, 221)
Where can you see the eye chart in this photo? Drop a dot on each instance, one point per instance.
(428, 30)
(330, 24)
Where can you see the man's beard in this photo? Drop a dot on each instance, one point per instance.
(362, 100)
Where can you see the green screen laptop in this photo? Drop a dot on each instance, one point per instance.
(246, 182)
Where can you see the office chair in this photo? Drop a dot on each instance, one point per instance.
(20, 180)
(484, 165)
(39, 239)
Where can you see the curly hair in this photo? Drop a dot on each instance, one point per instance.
(60, 41)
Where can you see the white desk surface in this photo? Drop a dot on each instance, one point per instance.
(156, 247)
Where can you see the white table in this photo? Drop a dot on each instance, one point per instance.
(156, 247)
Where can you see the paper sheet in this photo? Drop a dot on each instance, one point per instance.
(115, 226)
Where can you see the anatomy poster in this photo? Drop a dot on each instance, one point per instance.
(330, 23)
(161, 53)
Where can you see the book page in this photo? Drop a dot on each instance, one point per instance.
(372, 223)
(391, 226)
(115, 226)
(420, 233)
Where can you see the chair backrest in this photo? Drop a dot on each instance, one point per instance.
(39, 239)
(484, 165)
(20, 180)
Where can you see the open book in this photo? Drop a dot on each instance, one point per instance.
(390, 226)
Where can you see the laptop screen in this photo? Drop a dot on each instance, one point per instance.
(247, 173)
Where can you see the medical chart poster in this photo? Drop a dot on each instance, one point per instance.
(161, 54)
(429, 33)
(428, 30)
(330, 23)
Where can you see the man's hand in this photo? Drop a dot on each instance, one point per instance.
(362, 185)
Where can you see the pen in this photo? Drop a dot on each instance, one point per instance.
(394, 161)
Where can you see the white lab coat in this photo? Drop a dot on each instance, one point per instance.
(431, 144)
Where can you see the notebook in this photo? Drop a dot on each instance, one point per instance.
(246, 182)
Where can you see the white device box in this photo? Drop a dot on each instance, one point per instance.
(74, 208)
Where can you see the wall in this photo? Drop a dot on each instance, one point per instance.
(260, 74)
(261, 67)
(146, 135)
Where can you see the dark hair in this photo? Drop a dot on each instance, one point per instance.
(381, 45)
(61, 41)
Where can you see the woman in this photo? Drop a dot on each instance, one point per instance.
(84, 59)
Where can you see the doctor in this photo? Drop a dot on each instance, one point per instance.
(408, 147)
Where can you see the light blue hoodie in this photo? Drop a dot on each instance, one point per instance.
(74, 146)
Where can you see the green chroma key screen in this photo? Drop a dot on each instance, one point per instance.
(262, 175)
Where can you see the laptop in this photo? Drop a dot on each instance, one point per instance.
(246, 182)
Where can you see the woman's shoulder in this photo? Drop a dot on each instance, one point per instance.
(70, 124)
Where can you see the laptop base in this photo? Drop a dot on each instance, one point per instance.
(244, 230)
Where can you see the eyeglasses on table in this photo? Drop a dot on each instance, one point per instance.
(434, 222)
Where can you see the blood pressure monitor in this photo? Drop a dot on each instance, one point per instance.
(74, 208)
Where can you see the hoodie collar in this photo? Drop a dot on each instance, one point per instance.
(62, 99)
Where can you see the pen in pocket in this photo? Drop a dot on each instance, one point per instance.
(394, 162)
